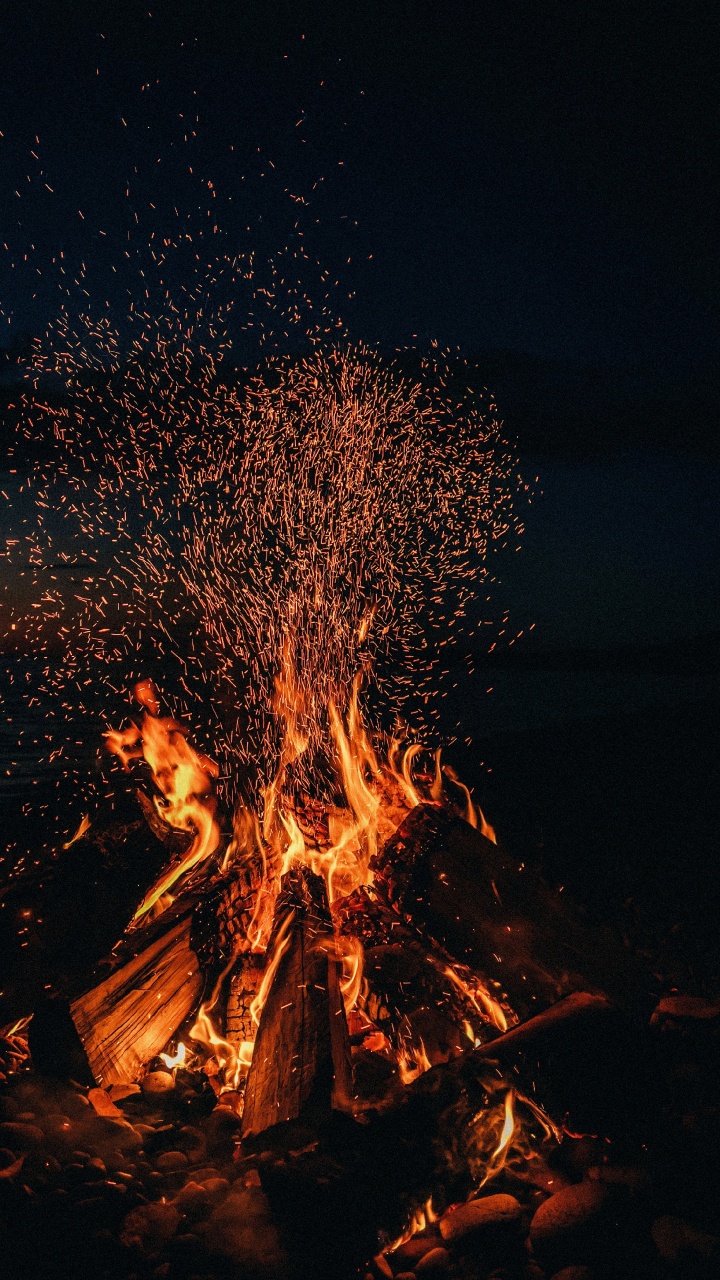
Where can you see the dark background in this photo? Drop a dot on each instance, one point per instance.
(534, 184)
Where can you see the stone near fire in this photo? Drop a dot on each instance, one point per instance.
(680, 1244)
(491, 1213)
(149, 1226)
(157, 1082)
(573, 1273)
(19, 1136)
(569, 1224)
(171, 1161)
(693, 1008)
(407, 1255)
(434, 1263)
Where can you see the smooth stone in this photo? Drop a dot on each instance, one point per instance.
(569, 1220)
(487, 1214)
(192, 1198)
(191, 1139)
(635, 1180)
(20, 1137)
(573, 1273)
(201, 1175)
(434, 1263)
(157, 1082)
(171, 1161)
(677, 1241)
(405, 1257)
(694, 1007)
(216, 1186)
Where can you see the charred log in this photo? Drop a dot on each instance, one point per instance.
(152, 981)
(301, 1061)
(470, 896)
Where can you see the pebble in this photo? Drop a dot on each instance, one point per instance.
(171, 1161)
(678, 1242)
(405, 1257)
(573, 1273)
(157, 1082)
(569, 1222)
(192, 1141)
(18, 1136)
(490, 1213)
(693, 1007)
(216, 1187)
(635, 1180)
(434, 1263)
(192, 1198)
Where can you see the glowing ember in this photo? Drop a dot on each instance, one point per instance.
(331, 505)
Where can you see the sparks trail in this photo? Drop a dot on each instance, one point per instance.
(331, 502)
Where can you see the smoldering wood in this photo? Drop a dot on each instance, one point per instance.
(125, 1021)
(444, 877)
(583, 1056)
(154, 979)
(243, 987)
(301, 1060)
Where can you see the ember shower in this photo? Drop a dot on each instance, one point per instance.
(327, 510)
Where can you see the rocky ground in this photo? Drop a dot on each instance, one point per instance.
(156, 1184)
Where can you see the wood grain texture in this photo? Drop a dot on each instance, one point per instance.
(129, 1017)
(301, 1061)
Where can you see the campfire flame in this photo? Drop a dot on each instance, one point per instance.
(176, 1059)
(185, 780)
(337, 843)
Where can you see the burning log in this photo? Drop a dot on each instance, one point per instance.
(158, 973)
(469, 895)
(244, 985)
(301, 1059)
(130, 1017)
(583, 1056)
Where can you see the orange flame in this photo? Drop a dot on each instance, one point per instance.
(421, 1219)
(177, 1059)
(185, 779)
(498, 1157)
(412, 1062)
(475, 991)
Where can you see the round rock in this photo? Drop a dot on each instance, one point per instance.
(157, 1082)
(567, 1227)
(171, 1161)
(490, 1214)
(434, 1263)
(20, 1137)
(573, 1273)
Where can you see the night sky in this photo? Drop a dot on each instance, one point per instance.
(532, 184)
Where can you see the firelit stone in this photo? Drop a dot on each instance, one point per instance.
(157, 1082)
(171, 1161)
(434, 1263)
(567, 1226)
(573, 1273)
(678, 1242)
(487, 1214)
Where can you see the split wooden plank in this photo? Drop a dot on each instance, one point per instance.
(126, 1020)
(301, 1060)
